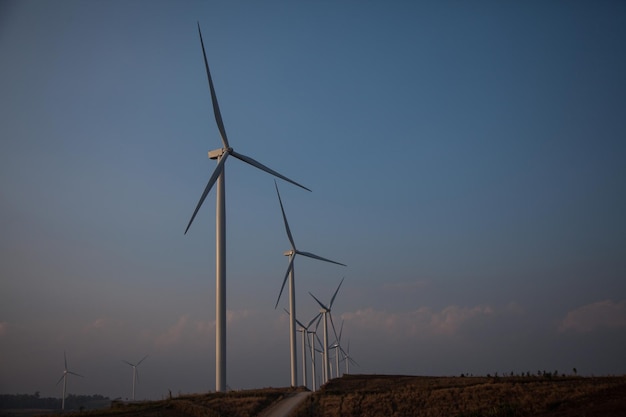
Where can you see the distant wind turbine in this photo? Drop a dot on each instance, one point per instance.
(292, 288)
(337, 347)
(325, 314)
(220, 226)
(305, 332)
(63, 378)
(135, 373)
(348, 359)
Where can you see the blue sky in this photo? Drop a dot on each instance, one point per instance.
(466, 162)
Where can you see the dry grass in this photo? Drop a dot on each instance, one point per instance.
(395, 396)
(369, 395)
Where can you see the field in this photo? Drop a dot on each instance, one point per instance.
(386, 395)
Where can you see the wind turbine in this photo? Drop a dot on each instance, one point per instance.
(220, 226)
(63, 378)
(135, 374)
(337, 347)
(305, 332)
(348, 358)
(325, 314)
(292, 288)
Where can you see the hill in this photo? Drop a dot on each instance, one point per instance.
(378, 395)
(397, 395)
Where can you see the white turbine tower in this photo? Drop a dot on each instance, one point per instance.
(325, 314)
(292, 288)
(63, 378)
(135, 373)
(220, 227)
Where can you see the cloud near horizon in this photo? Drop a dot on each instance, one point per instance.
(601, 314)
(422, 321)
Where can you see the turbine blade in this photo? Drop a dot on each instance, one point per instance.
(293, 245)
(297, 321)
(332, 300)
(128, 363)
(216, 106)
(60, 379)
(319, 341)
(74, 373)
(319, 320)
(216, 174)
(340, 332)
(143, 359)
(318, 301)
(311, 255)
(333, 325)
(289, 268)
(313, 320)
(262, 167)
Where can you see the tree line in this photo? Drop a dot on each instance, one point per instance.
(79, 402)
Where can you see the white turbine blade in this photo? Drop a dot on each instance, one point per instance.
(128, 363)
(74, 373)
(289, 236)
(282, 287)
(332, 300)
(318, 302)
(262, 167)
(143, 359)
(216, 173)
(216, 107)
(60, 379)
(311, 255)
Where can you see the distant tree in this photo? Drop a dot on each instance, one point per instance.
(575, 371)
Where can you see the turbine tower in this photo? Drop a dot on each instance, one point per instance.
(135, 374)
(63, 378)
(292, 288)
(220, 226)
(325, 311)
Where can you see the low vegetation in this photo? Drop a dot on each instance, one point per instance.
(371, 395)
(540, 395)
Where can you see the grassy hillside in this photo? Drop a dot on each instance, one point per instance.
(385, 395)
(372, 395)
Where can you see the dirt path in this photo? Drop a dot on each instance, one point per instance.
(286, 406)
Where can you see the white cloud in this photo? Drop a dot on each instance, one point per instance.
(173, 334)
(424, 320)
(607, 314)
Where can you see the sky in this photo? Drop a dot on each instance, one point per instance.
(466, 162)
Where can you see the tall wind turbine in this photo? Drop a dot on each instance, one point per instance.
(63, 378)
(135, 374)
(325, 314)
(220, 227)
(292, 288)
